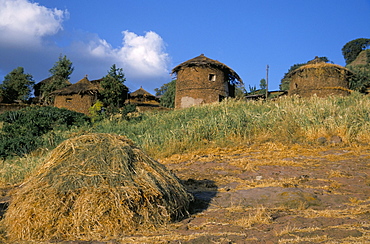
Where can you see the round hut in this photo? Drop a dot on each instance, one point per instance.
(320, 78)
(203, 80)
(95, 187)
(78, 97)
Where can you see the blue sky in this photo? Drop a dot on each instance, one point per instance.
(147, 38)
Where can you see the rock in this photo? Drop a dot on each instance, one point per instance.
(321, 140)
(335, 139)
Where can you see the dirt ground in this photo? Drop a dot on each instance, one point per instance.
(270, 193)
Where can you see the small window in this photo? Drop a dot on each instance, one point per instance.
(212, 77)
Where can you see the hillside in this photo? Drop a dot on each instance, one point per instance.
(288, 170)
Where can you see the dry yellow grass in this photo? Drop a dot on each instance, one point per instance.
(261, 216)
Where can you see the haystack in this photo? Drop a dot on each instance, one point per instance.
(95, 187)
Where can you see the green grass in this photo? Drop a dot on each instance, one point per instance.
(287, 120)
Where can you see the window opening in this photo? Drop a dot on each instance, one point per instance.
(212, 77)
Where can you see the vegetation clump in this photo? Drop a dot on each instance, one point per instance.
(60, 74)
(22, 130)
(16, 86)
(167, 93)
(113, 93)
(95, 187)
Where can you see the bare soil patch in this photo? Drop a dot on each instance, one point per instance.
(270, 193)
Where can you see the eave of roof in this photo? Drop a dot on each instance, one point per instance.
(203, 61)
(81, 87)
(319, 65)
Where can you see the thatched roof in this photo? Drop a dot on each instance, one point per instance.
(140, 92)
(319, 64)
(83, 86)
(203, 61)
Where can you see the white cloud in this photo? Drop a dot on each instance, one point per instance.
(143, 58)
(23, 22)
(25, 26)
(144, 54)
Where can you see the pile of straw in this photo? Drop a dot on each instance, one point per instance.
(95, 187)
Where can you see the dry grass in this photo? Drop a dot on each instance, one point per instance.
(14, 171)
(338, 173)
(255, 160)
(261, 216)
(95, 187)
(251, 145)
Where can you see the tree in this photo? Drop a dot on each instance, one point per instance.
(17, 86)
(240, 90)
(167, 93)
(60, 74)
(263, 86)
(114, 92)
(351, 49)
(254, 91)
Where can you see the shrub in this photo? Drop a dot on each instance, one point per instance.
(23, 129)
(95, 111)
(127, 109)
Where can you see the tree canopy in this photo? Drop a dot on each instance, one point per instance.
(167, 93)
(16, 86)
(60, 74)
(254, 91)
(62, 69)
(114, 92)
(240, 90)
(351, 49)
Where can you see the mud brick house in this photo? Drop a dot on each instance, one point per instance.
(203, 80)
(78, 97)
(141, 96)
(143, 100)
(320, 78)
